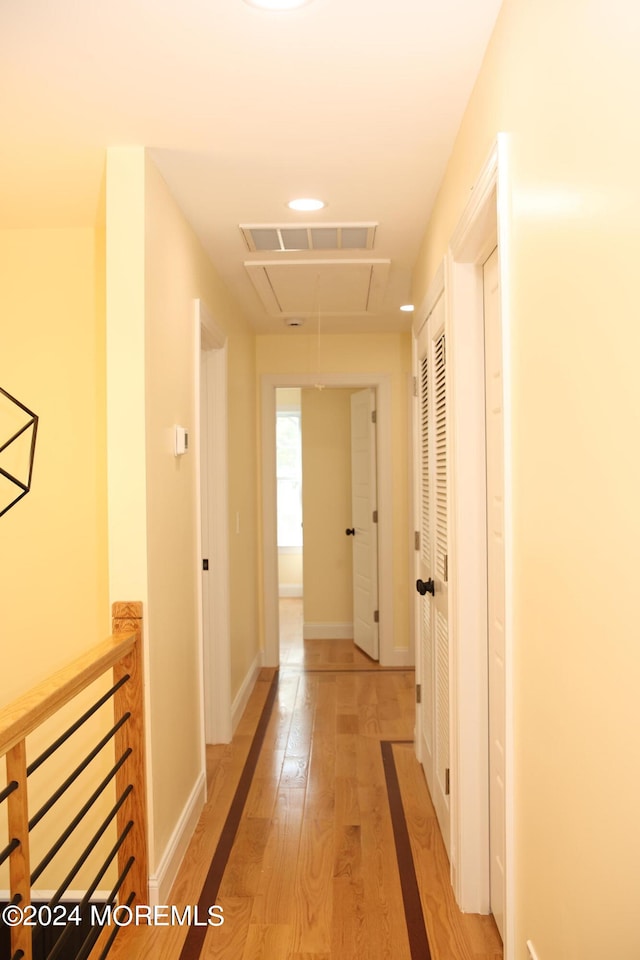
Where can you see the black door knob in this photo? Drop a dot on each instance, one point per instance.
(350, 531)
(426, 586)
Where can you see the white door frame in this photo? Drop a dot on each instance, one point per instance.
(214, 637)
(483, 224)
(389, 655)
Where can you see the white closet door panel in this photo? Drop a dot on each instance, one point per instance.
(442, 702)
(427, 678)
(440, 417)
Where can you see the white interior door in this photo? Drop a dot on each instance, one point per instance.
(364, 522)
(495, 584)
(211, 443)
(208, 619)
(432, 566)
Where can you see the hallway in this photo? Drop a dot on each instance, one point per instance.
(319, 780)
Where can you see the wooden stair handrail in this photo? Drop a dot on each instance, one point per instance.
(20, 718)
(122, 654)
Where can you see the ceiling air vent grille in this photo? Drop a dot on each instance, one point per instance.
(308, 236)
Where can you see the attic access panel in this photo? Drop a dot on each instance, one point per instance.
(329, 287)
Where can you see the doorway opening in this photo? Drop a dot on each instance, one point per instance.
(326, 477)
(289, 491)
(289, 526)
(380, 383)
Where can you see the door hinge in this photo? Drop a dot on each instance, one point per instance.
(415, 386)
(374, 416)
(416, 540)
(446, 568)
(447, 783)
(205, 564)
(375, 516)
(418, 693)
(376, 616)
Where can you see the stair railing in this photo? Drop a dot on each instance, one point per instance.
(122, 655)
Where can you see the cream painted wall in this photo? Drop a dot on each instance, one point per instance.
(326, 505)
(562, 79)
(288, 398)
(53, 559)
(382, 353)
(53, 543)
(155, 270)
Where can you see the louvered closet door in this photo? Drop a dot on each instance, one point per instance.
(434, 718)
(425, 653)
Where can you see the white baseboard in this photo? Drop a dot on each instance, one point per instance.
(290, 590)
(399, 658)
(327, 631)
(161, 882)
(242, 696)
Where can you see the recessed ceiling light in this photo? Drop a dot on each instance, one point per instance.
(407, 308)
(276, 4)
(306, 204)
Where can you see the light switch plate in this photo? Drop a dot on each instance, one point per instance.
(181, 441)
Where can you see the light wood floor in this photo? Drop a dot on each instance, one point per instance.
(315, 654)
(313, 874)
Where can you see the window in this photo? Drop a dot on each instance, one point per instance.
(289, 477)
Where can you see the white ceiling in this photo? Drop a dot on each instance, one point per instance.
(354, 101)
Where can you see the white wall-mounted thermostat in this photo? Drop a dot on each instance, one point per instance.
(181, 441)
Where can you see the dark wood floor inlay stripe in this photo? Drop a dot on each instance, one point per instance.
(418, 939)
(192, 947)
